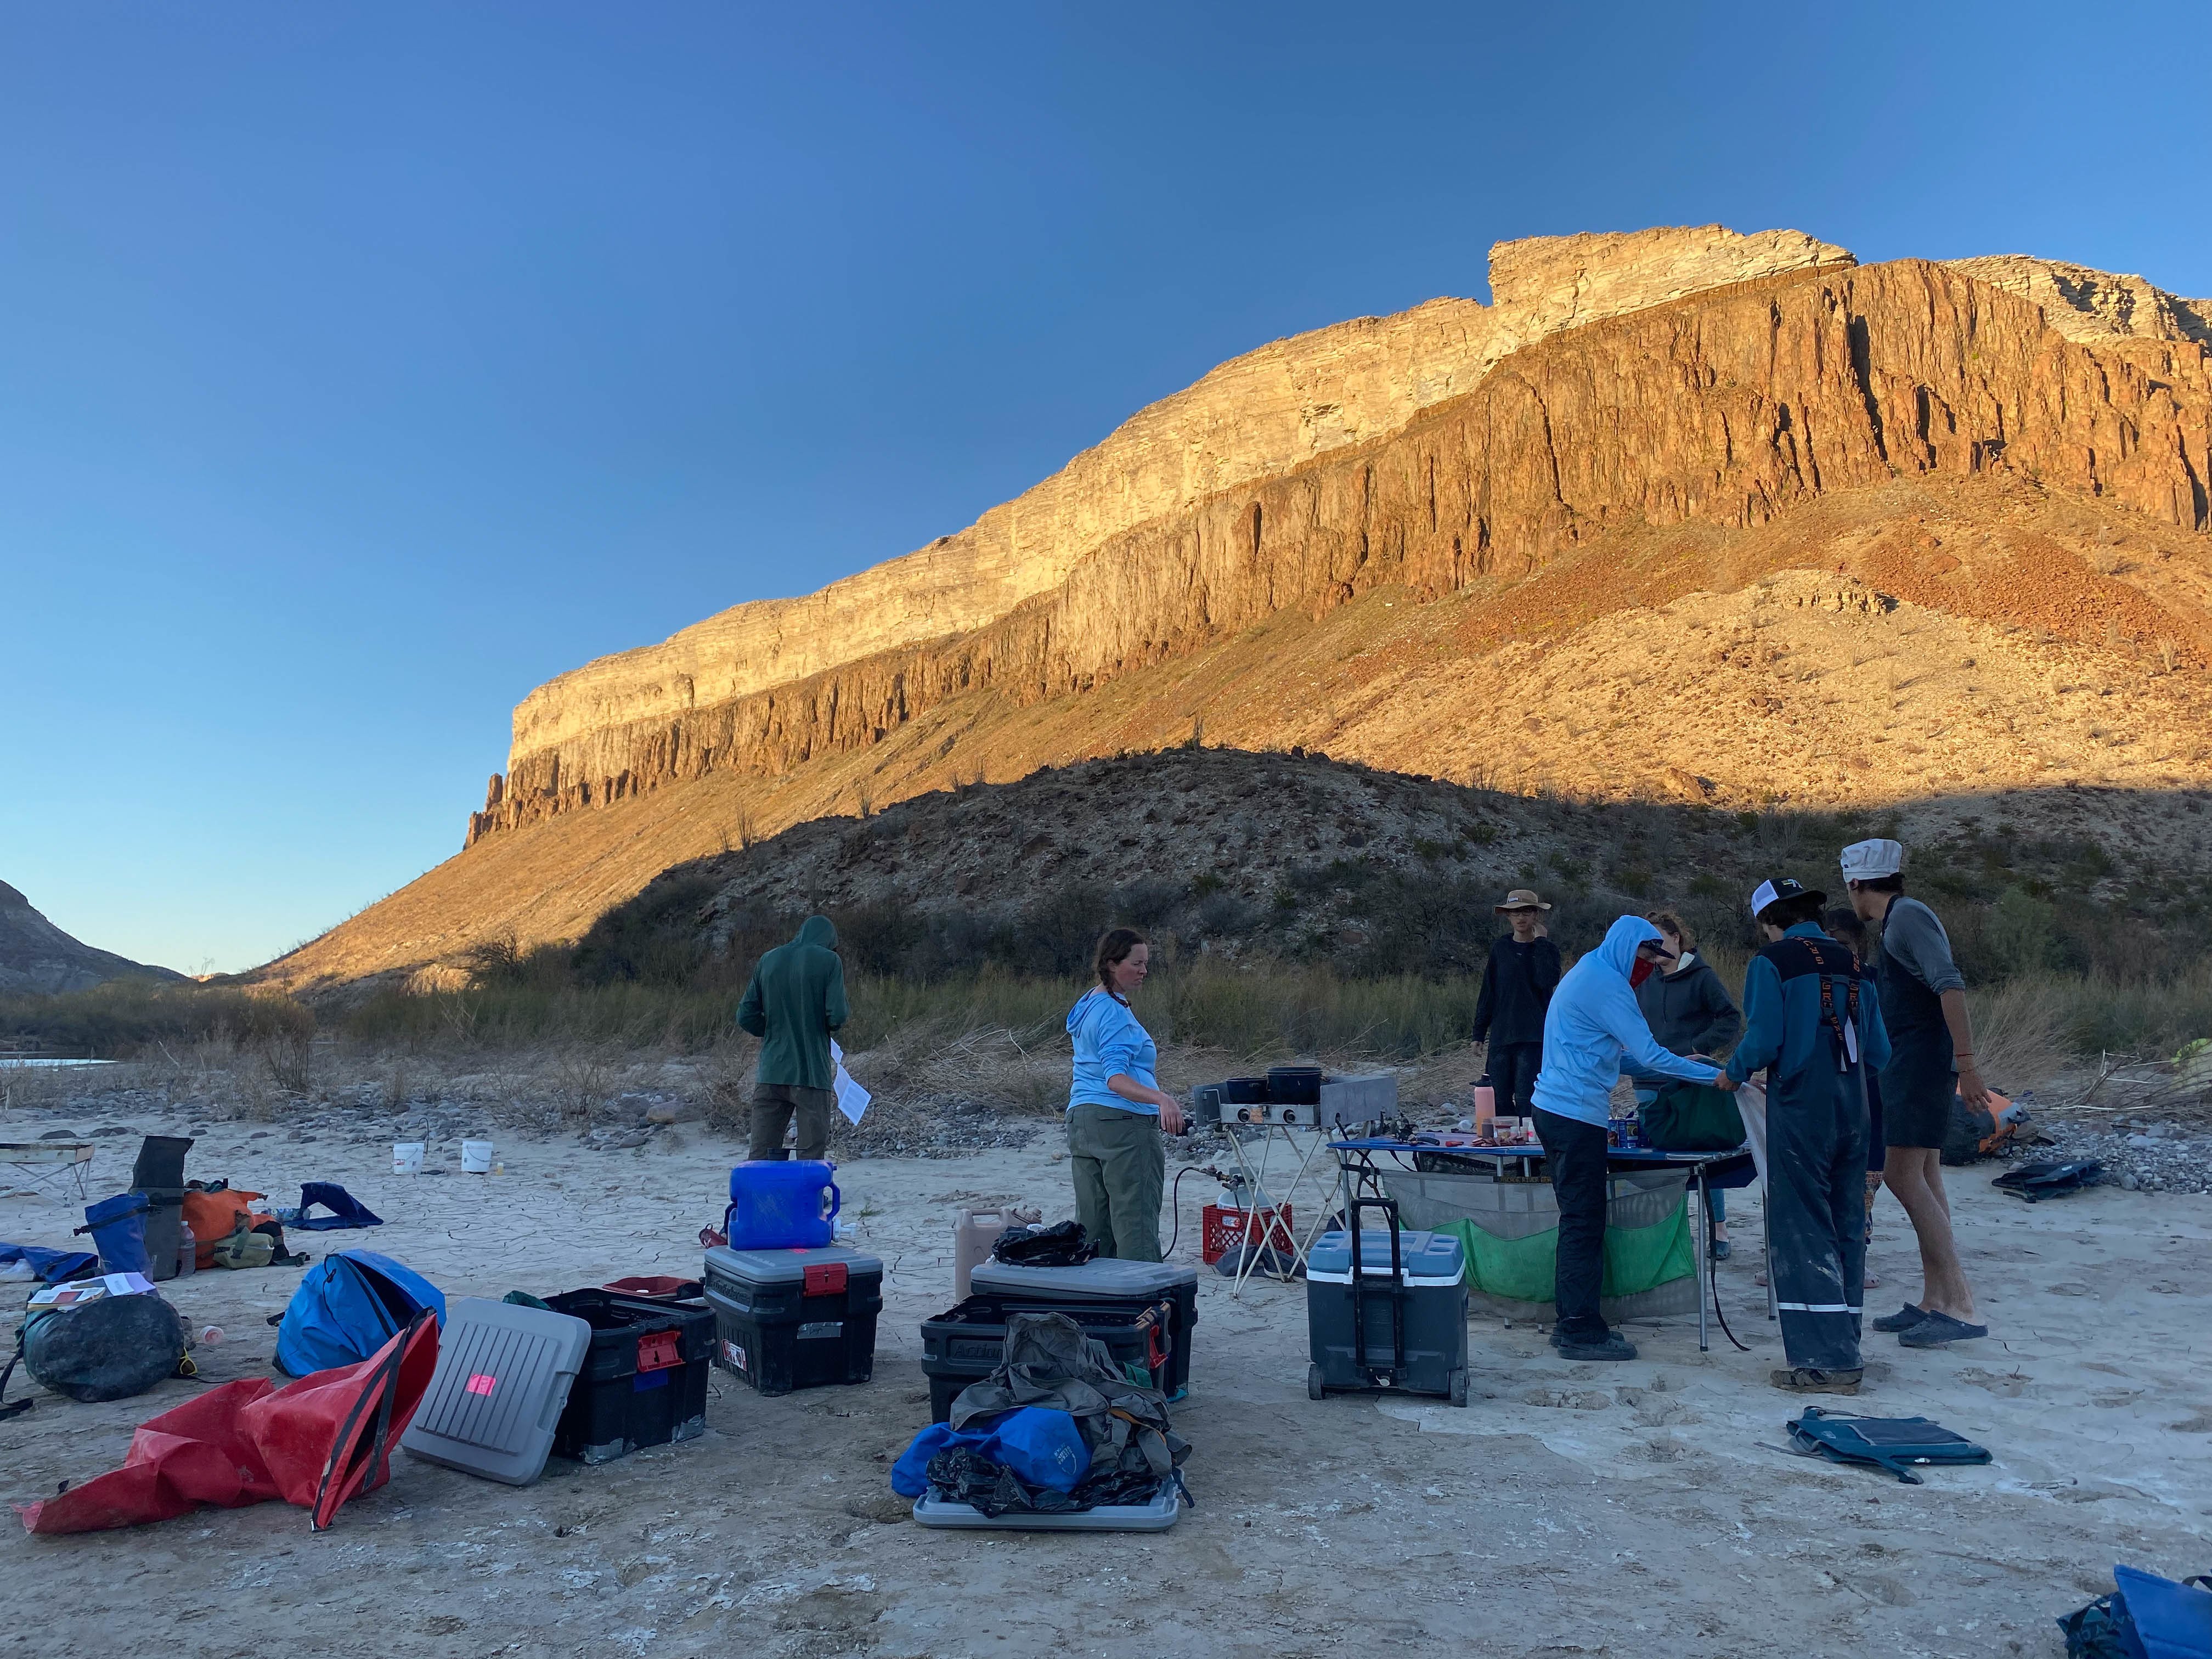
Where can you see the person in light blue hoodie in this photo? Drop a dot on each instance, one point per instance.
(1592, 1030)
(1116, 1110)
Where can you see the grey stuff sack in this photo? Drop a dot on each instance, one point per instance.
(1049, 1361)
(110, 1348)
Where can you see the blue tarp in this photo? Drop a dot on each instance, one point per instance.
(1043, 1447)
(346, 1210)
(52, 1266)
(349, 1305)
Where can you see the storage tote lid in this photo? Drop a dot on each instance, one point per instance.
(1426, 1258)
(503, 1374)
(1104, 1280)
(785, 1267)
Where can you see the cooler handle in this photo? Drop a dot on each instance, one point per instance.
(836, 1198)
(1157, 1346)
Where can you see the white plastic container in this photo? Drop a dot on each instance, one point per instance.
(974, 1233)
(406, 1157)
(476, 1157)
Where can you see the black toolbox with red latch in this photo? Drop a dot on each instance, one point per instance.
(795, 1319)
(644, 1377)
(968, 1343)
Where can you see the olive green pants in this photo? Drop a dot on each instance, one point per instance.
(775, 1104)
(1120, 1163)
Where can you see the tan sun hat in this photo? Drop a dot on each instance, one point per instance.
(1520, 899)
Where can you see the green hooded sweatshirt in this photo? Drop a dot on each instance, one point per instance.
(796, 999)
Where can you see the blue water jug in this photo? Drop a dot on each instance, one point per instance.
(789, 1205)
(117, 1226)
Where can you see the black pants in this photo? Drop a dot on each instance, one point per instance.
(1574, 1153)
(1513, 1076)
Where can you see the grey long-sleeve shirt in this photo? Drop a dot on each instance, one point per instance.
(1914, 934)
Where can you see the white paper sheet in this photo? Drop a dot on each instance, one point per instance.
(852, 1099)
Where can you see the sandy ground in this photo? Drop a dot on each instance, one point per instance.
(1637, 1509)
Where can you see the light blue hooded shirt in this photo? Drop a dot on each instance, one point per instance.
(1593, 1025)
(1108, 1042)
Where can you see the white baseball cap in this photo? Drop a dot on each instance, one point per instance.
(1870, 860)
(1773, 892)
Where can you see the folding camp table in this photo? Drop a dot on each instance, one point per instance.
(1708, 1172)
(1254, 1151)
(52, 1161)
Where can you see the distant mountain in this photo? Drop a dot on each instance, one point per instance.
(36, 956)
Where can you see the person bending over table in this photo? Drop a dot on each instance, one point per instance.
(1116, 1110)
(1592, 1024)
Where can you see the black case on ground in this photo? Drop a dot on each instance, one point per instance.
(1099, 1286)
(965, 1344)
(644, 1376)
(795, 1319)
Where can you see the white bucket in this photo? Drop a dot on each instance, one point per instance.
(476, 1157)
(406, 1157)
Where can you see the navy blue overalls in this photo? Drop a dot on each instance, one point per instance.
(1813, 1022)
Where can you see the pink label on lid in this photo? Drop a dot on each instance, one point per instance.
(482, 1383)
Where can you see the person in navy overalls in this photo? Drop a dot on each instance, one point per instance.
(1814, 1026)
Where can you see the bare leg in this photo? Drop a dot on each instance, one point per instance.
(1943, 1282)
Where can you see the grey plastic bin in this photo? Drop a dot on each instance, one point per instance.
(1163, 1512)
(503, 1374)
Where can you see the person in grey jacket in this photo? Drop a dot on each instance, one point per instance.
(1691, 1012)
(1687, 1008)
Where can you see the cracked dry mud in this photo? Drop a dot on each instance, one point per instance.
(1637, 1509)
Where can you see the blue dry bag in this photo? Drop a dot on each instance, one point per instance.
(117, 1226)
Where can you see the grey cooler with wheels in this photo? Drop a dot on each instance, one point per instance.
(1387, 1310)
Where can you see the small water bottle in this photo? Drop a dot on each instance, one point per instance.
(188, 1251)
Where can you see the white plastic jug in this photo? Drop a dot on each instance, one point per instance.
(476, 1157)
(974, 1233)
(406, 1157)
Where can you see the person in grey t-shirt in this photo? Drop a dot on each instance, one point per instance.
(1924, 1007)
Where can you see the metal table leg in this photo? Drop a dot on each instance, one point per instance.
(1702, 1254)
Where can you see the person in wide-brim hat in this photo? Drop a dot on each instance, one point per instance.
(1521, 898)
(1509, 1012)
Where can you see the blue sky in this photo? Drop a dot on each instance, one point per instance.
(362, 365)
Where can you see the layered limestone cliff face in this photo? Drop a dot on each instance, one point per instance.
(1777, 374)
(1253, 417)
(2094, 305)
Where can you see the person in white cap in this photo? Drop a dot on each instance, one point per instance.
(1923, 1004)
(1815, 1029)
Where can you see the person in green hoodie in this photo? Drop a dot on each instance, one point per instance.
(795, 999)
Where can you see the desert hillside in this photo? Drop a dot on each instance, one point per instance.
(1681, 516)
(37, 957)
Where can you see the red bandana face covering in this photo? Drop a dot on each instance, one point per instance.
(1639, 972)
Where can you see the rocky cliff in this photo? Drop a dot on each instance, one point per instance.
(37, 957)
(1723, 519)
(1255, 417)
(1727, 408)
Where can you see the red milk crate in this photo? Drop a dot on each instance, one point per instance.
(1224, 1230)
